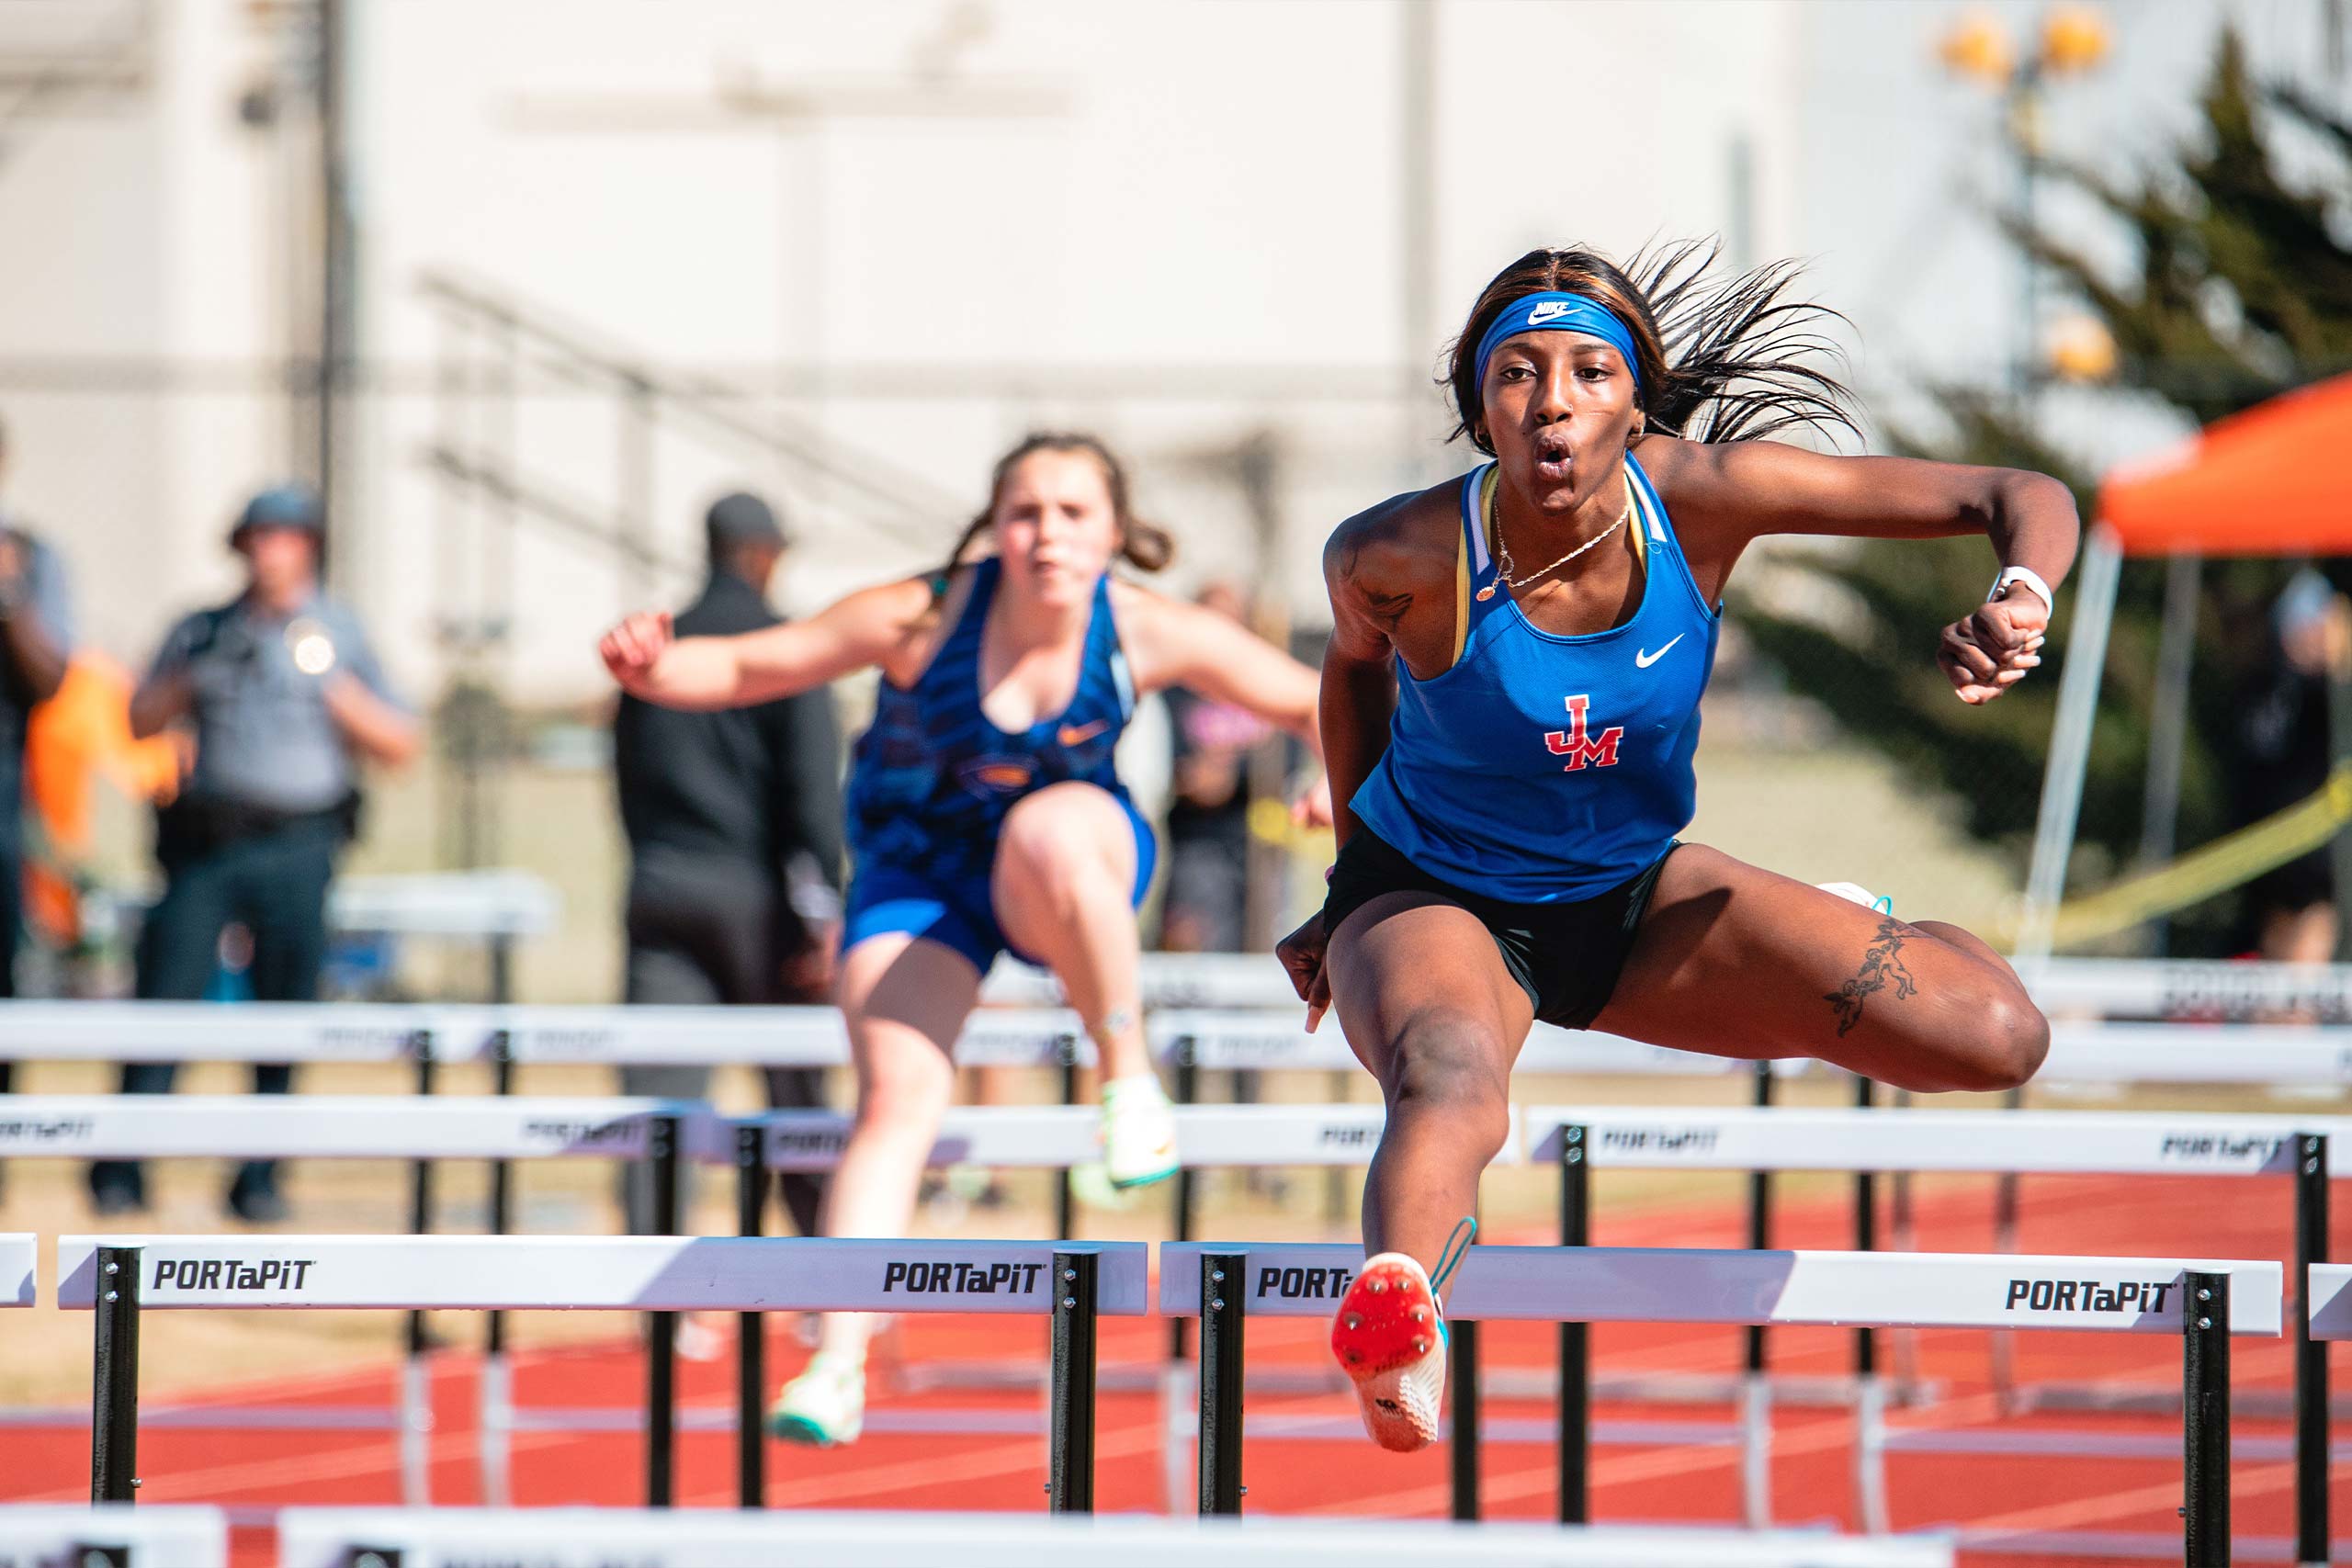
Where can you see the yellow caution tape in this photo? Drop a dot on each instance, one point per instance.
(2226, 862)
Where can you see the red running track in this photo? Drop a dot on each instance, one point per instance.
(2002, 1495)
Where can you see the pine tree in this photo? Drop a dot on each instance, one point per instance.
(2241, 290)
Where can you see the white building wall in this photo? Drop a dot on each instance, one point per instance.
(1203, 243)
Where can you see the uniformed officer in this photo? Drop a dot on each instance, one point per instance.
(285, 699)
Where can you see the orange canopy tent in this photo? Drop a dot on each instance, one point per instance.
(2269, 481)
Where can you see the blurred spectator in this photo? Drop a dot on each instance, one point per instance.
(2281, 756)
(734, 824)
(1208, 831)
(286, 699)
(1208, 810)
(36, 634)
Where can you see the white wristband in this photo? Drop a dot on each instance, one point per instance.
(2029, 578)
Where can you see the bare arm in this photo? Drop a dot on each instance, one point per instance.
(1724, 497)
(35, 653)
(1359, 697)
(707, 672)
(1175, 644)
(163, 699)
(36, 648)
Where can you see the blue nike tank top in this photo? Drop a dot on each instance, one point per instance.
(1542, 769)
(931, 779)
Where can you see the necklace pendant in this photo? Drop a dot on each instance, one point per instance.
(1486, 594)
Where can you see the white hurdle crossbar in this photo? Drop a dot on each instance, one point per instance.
(119, 1277)
(1266, 1038)
(593, 1538)
(240, 1127)
(2300, 1149)
(2202, 1302)
(1053, 1138)
(418, 1128)
(165, 1534)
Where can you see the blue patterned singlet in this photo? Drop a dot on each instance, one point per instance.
(1542, 769)
(931, 779)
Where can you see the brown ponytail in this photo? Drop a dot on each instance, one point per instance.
(1146, 547)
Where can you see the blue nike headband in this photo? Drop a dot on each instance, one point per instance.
(1557, 312)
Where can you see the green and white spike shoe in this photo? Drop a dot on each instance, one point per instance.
(825, 1405)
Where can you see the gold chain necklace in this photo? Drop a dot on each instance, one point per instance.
(1505, 566)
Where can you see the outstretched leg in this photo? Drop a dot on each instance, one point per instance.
(1430, 1008)
(904, 1000)
(1734, 961)
(1067, 862)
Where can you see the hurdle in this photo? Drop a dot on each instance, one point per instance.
(1579, 1139)
(594, 1538)
(2326, 1317)
(2204, 1303)
(119, 1278)
(348, 1127)
(169, 1534)
(1050, 1137)
(2190, 987)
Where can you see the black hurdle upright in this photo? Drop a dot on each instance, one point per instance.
(1865, 1239)
(1576, 1343)
(1220, 1379)
(2311, 1522)
(1462, 1366)
(1069, 1471)
(114, 1402)
(420, 1197)
(1188, 1092)
(416, 1415)
(1065, 1201)
(2205, 1405)
(662, 1327)
(502, 1215)
(1758, 1357)
(751, 1343)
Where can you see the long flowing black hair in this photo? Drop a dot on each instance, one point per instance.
(1721, 358)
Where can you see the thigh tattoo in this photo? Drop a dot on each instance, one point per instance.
(1882, 966)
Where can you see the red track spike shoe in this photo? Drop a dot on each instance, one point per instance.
(1390, 1337)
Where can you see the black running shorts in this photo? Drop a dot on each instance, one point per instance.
(1567, 957)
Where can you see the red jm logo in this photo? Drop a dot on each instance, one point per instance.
(1578, 747)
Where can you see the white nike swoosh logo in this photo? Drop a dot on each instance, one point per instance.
(1642, 659)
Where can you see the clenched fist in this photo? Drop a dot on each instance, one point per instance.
(1997, 647)
(630, 649)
